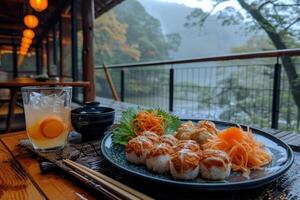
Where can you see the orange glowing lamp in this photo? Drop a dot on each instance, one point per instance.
(31, 21)
(24, 45)
(28, 33)
(23, 53)
(26, 40)
(39, 5)
(23, 49)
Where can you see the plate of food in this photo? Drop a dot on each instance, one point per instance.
(207, 155)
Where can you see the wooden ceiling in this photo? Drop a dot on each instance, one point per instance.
(101, 6)
(12, 13)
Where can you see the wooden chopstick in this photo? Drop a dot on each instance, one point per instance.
(108, 185)
(120, 188)
(103, 190)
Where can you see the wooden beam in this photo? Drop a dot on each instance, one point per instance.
(51, 20)
(12, 26)
(44, 56)
(104, 6)
(54, 45)
(61, 49)
(88, 17)
(74, 44)
(15, 62)
(38, 59)
(48, 56)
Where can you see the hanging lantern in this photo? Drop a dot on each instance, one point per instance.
(25, 45)
(26, 40)
(23, 53)
(28, 33)
(39, 5)
(31, 21)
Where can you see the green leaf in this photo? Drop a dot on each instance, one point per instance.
(124, 132)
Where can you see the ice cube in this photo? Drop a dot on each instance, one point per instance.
(44, 101)
(35, 100)
(58, 103)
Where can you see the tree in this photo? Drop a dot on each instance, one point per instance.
(277, 18)
(145, 30)
(111, 41)
(253, 44)
(128, 34)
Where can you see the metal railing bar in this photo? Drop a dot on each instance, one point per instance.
(240, 56)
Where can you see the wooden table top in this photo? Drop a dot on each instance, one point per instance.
(12, 83)
(21, 178)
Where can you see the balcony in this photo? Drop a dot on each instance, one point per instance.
(219, 88)
(184, 57)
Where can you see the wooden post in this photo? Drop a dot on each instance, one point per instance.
(48, 56)
(74, 45)
(44, 57)
(15, 61)
(88, 53)
(61, 49)
(54, 45)
(38, 59)
(110, 83)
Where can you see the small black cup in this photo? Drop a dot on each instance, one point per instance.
(92, 120)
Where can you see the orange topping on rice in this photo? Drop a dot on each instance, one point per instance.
(231, 135)
(185, 160)
(244, 151)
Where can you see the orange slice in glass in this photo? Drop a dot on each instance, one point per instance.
(52, 126)
(34, 131)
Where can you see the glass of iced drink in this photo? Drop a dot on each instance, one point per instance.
(47, 115)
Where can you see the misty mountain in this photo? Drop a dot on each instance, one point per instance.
(213, 39)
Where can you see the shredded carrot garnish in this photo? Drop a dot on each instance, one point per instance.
(148, 121)
(244, 150)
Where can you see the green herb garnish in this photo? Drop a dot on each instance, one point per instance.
(123, 133)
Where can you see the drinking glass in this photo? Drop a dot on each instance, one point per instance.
(47, 115)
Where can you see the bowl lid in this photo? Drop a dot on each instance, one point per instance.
(92, 108)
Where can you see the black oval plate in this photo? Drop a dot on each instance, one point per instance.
(282, 159)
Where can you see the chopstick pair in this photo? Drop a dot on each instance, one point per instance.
(109, 183)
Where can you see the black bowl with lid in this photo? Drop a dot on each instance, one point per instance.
(92, 120)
